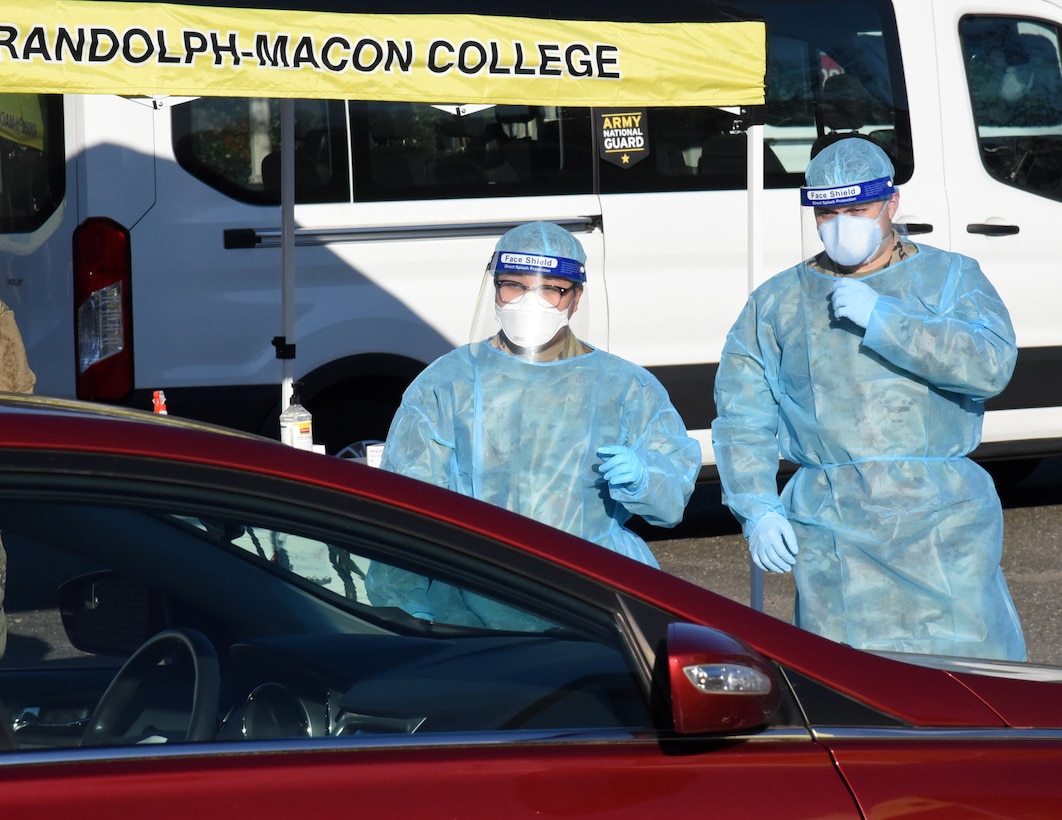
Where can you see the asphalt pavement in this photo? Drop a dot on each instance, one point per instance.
(707, 549)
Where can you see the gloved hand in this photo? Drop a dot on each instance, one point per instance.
(622, 467)
(773, 543)
(853, 299)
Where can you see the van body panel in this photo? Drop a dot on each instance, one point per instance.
(677, 264)
(1021, 265)
(115, 163)
(358, 294)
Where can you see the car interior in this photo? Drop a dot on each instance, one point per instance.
(170, 610)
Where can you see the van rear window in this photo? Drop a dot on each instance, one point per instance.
(32, 160)
(233, 145)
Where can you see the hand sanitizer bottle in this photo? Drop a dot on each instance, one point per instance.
(296, 423)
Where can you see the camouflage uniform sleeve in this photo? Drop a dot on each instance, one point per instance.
(15, 373)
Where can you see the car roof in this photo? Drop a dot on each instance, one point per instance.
(21, 403)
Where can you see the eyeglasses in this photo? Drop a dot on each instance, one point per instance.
(824, 214)
(510, 291)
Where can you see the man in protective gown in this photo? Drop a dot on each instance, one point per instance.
(530, 418)
(868, 366)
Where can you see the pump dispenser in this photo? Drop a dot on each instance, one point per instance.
(296, 423)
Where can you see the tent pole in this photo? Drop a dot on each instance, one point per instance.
(755, 203)
(287, 243)
(754, 134)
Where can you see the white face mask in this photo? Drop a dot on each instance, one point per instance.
(850, 240)
(531, 321)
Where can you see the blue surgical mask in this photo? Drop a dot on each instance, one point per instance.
(850, 240)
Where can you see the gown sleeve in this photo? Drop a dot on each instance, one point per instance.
(745, 430)
(960, 340)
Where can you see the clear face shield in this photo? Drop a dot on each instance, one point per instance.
(531, 299)
(849, 222)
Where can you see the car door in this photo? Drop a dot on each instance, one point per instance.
(1001, 121)
(278, 575)
(477, 781)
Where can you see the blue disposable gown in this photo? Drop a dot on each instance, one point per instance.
(522, 435)
(900, 535)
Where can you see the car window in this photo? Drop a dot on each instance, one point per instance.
(828, 75)
(341, 571)
(313, 619)
(1014, 73)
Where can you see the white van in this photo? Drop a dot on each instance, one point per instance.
(140, 238)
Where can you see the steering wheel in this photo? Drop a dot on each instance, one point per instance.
(176, 644)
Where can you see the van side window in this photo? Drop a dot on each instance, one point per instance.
(831, 72)
(233, 145)
(32, 160)
(411, 151)
(689, 149)
(1015, 82)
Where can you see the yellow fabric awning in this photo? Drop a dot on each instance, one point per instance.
(130, 48)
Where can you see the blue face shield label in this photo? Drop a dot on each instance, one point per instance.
(537, 265)
(837, 195)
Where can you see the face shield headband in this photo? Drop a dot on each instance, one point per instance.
(531, 264)
(834, 196)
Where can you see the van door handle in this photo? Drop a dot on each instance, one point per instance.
(992, 230)
(914, 228)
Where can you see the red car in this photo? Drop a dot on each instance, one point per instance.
(203, 624)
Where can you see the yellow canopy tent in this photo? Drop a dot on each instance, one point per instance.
(682, 52)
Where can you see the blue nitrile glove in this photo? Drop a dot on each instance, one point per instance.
(773, 543)
(852, 299)
(622, 467)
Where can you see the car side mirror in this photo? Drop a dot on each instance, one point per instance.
(107, 614)
(717, 683)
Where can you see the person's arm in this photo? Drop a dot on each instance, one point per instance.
(421, 440)
(15, 373)
(745, 430)
(963, 343)
(416, 448)
(389, 586)
(653, 475)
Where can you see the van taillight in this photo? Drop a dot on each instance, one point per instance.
(103, 310)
